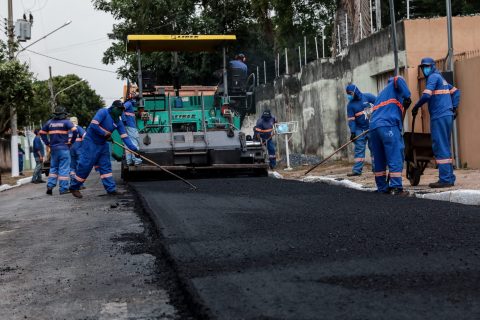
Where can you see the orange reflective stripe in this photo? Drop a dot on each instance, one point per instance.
(427, 91)
(72, 173)
(395, 174)
(57, 132)
(53, 175)
(74, 128)
(124, 136)
(444, 161)
(389, 101)
(351, 119)
(441, 92)
(94, 122)
(79, 140)
(79, 179)
(359, 159)
(453, 90)
(42, 132)
(264, 131)
(106, 131)
(358, 114)
(130, 114)
(380, 174)
(64, 178)
(106, 175)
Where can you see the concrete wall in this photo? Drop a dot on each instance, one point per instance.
(468, 119)
(316, 96)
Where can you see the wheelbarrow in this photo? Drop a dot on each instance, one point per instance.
(418, 153)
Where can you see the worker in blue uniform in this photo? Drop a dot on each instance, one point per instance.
(95, 149)
(59, 142)
(443, 100)
(386, 133)
(358, 123)
(239, 63)
(129, 120)
(38, 154)
(75, 149)
(263, 131)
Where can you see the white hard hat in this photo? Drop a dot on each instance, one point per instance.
(74, 120)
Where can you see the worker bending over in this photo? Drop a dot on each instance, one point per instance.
(96, 151)
(263, 131)
(443, 100)
(358, 123)
(386, 125)
(58, 141)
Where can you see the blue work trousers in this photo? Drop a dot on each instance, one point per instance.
(387, 146)
(134, 137)
(271, 153)
(360, 146)
(441, 143)
(20, 164)
(93, 154)
(59, 167)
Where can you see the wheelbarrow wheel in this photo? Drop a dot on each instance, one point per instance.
(414, 174)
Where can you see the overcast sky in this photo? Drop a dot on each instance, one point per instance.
(82, 42)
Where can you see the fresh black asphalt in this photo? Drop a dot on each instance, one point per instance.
(261, 248)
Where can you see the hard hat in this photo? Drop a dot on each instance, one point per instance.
(118, 104)
(60, 110)
(427, 62)
(74, 120)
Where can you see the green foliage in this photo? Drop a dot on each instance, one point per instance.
(16, 91)
(80, 100)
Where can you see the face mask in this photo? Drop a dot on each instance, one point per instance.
(350, 97)
(427, 71)
(116, 113)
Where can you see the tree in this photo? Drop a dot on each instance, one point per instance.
(16, 91)
(80, 100)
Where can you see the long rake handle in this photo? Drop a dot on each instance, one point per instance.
(336, 151)
(155, 164)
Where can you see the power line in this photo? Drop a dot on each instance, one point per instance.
(86, 43)
(72, 63)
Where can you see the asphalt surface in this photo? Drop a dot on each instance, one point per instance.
(91, 258)
(261, 248)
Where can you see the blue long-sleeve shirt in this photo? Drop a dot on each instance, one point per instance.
(80, 136)
(388, 108)
(38, 150)
(442, 97)
(58, 133)
(102, 126)
(264, 127)
(128, 116)
(355, 110)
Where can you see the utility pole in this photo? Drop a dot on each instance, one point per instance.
(50, 86)
(394, 36)
(13, 111)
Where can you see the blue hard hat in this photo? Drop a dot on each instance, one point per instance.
(427, 62)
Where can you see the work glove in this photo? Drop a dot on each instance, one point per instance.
(415, 111)
(352, 136)
(406, 103)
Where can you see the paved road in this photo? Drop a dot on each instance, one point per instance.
(260, 248)
(90, 258)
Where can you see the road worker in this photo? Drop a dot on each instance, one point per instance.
(75, 149)
(239, 63)
(443, 100)
(58, 142)
(386, 124)
(96, 151)
(38, 154)
(263, 131)
(129, 120)
(358, 122)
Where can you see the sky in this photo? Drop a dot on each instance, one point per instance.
(82, 42)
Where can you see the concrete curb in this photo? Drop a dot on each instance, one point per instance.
(467, 197)
(20, 182)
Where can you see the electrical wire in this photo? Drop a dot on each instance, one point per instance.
(85, 43)
(72, 63)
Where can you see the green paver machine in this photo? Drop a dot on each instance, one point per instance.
(193, 128)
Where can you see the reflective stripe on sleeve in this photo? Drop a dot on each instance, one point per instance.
(123, 136)
(106, 175)
(94, 121)
(351, 119)
(453, 90)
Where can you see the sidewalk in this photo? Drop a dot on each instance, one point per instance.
(467, 184)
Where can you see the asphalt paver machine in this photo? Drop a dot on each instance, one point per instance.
(193, 128)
